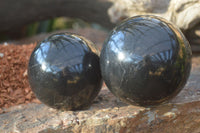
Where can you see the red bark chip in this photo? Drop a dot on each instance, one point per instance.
(14, 86)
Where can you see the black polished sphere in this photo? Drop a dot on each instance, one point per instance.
(145, 60)
(64, 72)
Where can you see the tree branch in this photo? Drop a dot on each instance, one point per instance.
(14, 14)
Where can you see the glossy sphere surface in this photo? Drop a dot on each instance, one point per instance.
(145, 60)
(64, 72)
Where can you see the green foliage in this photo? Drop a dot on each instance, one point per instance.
(46, 26)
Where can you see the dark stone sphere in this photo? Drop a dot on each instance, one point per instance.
(145, 60)
(64, 72)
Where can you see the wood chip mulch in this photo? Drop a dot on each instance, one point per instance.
(14, 86)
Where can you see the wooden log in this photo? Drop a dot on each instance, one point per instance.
(15, 14)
